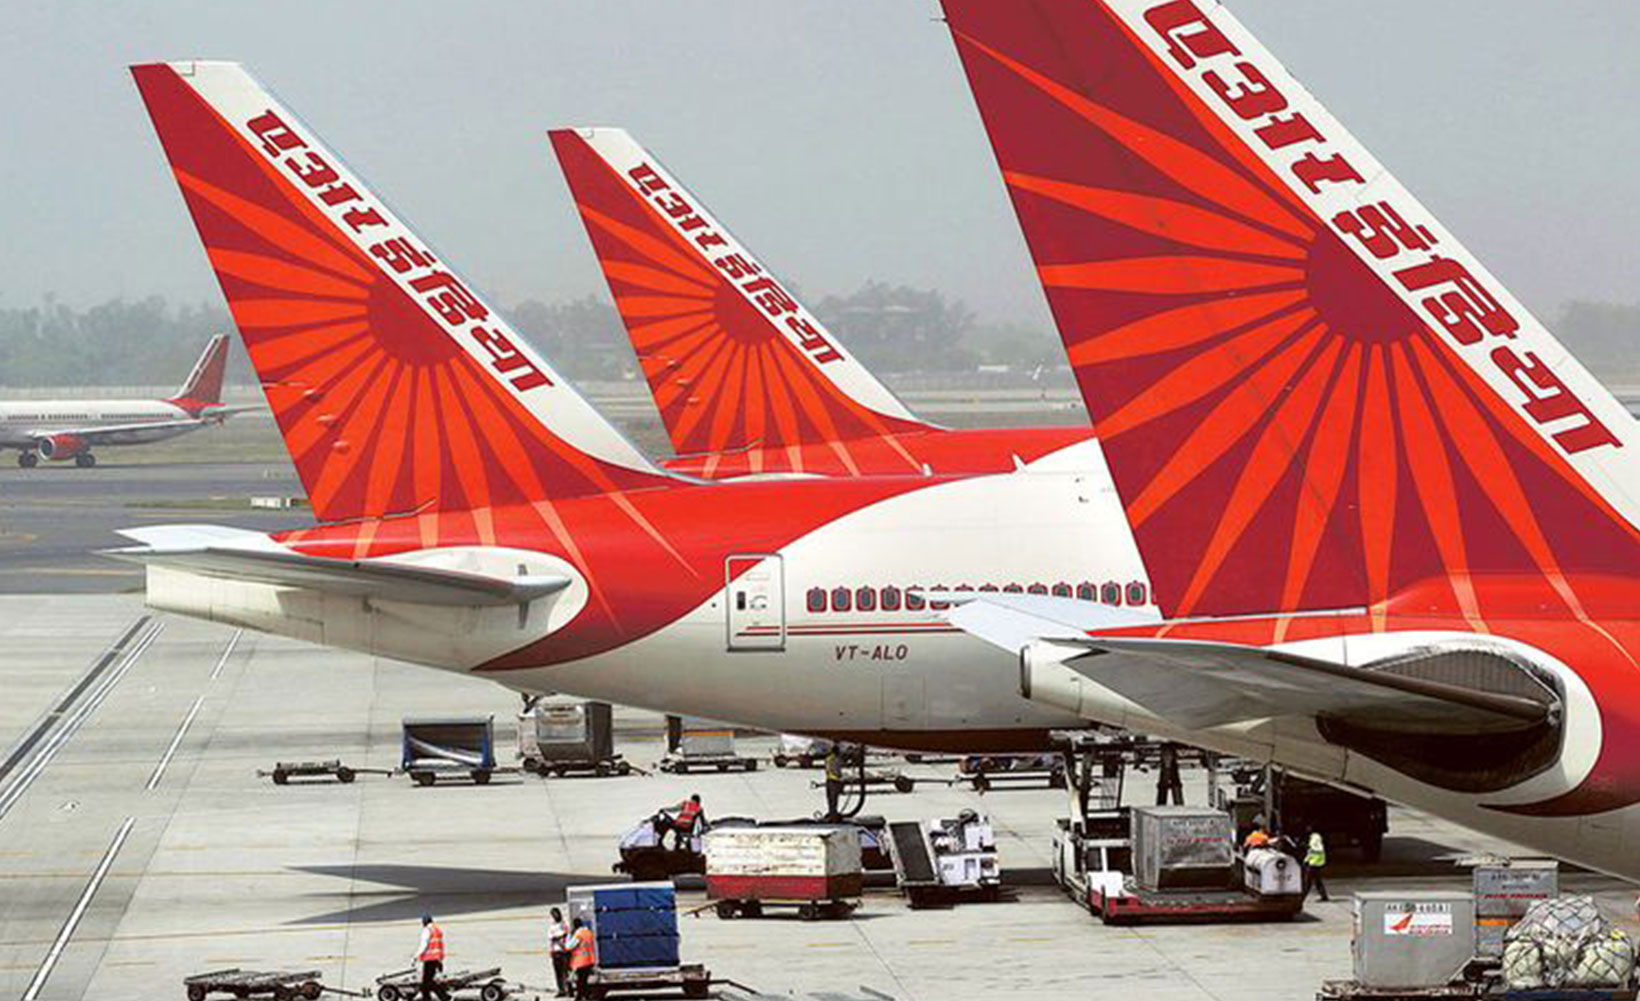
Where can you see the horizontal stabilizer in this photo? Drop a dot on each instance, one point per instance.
(232, 554)
(1198, 684)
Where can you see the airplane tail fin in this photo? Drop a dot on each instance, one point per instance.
(732, 358)
(1310, 394)
(203, 387)
(397, 387)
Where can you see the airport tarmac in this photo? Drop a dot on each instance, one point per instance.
(138, 845)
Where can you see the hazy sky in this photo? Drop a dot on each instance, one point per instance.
(836, 137)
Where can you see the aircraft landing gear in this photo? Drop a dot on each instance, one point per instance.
(28, 460)
(85, 460)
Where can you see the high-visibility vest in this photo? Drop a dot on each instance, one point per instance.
(687, 815)
(1316, 856)
(435, 945)
(582, 950)
(1257, 839)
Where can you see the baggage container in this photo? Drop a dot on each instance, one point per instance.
(1504, 889)
(1182, 848)
(635, 925)
(1413, 940)
(783, 863)
(434, 746)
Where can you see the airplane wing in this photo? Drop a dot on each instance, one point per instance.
(1199, 684)
(214, 551)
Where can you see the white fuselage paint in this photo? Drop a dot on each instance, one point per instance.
(1055, 520)
(23, 424)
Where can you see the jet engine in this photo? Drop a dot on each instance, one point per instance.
(59, 447)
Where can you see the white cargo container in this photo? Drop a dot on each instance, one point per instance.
(783, 863)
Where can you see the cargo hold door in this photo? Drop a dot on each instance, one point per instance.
(754, 585)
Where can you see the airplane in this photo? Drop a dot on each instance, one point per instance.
(1390, 521)
(1282, 360)
(746, 379)
(59, 430)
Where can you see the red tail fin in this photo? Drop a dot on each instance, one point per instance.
(733, 359)
(397, 387)
(204, 384)
(1309, 393)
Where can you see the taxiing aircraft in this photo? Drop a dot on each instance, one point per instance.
(59, 430)
(745, 378)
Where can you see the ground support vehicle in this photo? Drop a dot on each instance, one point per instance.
(283, 771)
(282, 985)
(441, 747)
(989, 771)
(691, 980)
(484, 985)
(945, 861)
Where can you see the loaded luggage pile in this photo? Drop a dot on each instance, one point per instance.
(814, 868)
(635, 932)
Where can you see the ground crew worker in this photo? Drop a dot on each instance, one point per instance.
(1169, 783)
(583, 956)
(834, 781)
(558, 943)
(430, 954)
(1315, 860)
(1258, 837)
(689, 816)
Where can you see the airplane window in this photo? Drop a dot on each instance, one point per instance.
(1136, 593)
(1111, 594)
(817, 599)
(1061, 590)
(964, 587)
(914, 602)
(842, 599)
(891, 598)
(939, 606)
(1038, 589)
(1013, 589)
(865, 599)
(1087, 592)
(987, 587)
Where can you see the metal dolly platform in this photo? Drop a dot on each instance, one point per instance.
(691, 980)
(283, 985)
(486, 985)
(284, 771)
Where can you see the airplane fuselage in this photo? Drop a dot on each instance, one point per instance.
(24, 424)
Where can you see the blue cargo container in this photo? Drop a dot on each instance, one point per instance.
(635, 925)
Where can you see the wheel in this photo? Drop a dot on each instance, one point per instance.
(387, 992)
(283, 993)
(601, 770)
(424, 778)
(903, 783)
(697, 988)
(280, 777)
(726, 909)
(481, 778)
(311, 990)
(981, 783)
(196, 992)
(85, 460)
(752, 908)
(751, 764)
(781, 761)
(493, 991)
(344, 775)
(28, 460)
(808, 912)
(624, 768)
(533, 767)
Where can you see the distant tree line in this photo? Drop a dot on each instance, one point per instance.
(891, 328)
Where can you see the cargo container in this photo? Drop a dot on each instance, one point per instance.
(807, 865)
(562, 735)
(635, 925)
(433, 747)
(1182, 848)
(1504, 889)
(1421, 939)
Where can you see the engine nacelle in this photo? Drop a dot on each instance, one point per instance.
(58, 447)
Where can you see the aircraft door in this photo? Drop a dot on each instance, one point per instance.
(756, 608)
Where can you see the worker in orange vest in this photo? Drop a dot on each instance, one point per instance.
(689, 816)
(1258, 837)
(430, 954)
(583, 956)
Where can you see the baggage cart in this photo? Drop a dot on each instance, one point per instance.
(283, 771)
(283, 985)
(814, 868)
(569, 736)
(801, 752)
(691, 980)
(945, 861)
(1137, 905)
(696, 744)
(989, 771)
(448, 746)
(483, 985)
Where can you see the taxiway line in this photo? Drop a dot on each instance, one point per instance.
(176, 741)
(43, 974)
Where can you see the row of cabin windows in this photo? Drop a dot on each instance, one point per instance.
(893, 599)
